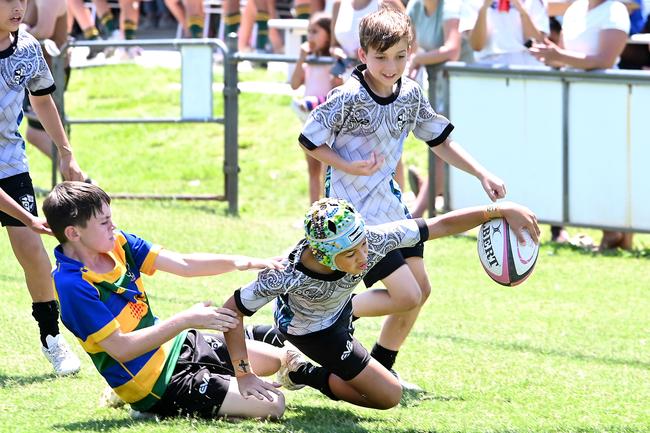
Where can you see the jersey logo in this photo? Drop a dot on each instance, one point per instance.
(27, 202)
(204, 386)
(19, 76)
(348, 350)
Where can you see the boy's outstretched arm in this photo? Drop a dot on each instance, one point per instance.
(49, 116)
(458, 221)
(11, 208)
(126, 346)
(204, 264)
(452, 153)
(362, 167)
(249, 383)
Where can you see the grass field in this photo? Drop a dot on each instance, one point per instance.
(568, 351)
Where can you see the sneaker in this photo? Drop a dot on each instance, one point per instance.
(108, 398)
(291, 360)
(60, 356)
(407, 387)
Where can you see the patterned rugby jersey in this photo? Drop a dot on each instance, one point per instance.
(307, 301)
(21, 66)
(355, 122)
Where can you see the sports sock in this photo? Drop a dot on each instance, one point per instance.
(316, 377)
(262, 21)
(129, 29)
(302, 11)
(195, 25)
(91, 33)
(385, 357)
(47, 317)
(265, 333)
(109, 23)
(232, 23)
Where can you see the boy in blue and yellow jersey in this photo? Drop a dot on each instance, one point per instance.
(163, 367)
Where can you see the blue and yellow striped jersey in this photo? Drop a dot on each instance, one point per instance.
(93, 306)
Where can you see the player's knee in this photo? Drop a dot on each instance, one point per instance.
(409, 299)
(425, 292)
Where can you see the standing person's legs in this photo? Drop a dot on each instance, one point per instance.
(30, 253)
(177, 10)
(195, 17)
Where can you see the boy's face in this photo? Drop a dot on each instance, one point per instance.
(355, 260)
(11, 14)
(98, 234)
(385, 67)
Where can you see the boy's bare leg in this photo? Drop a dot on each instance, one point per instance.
(396, 327)
(402, 295)
(30, 252)
(374, 387)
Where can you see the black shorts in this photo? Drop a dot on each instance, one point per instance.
(335, 348)
(20, 188)
(391, 262)
(200, 380)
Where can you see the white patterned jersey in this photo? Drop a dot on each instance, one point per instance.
(355, 122)
(306, 301)
(21, 66)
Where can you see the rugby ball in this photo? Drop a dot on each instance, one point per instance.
(504, 259)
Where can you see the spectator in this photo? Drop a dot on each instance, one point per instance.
(318, 82)
(499, 29)
(594, 34)
(437, 40)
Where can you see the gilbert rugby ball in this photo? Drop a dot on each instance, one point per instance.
(504, 259)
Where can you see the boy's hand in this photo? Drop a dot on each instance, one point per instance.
(519, 218)
(252, 386)
(366, 167)
(69, 168)
(40, 226)
(204, 315)
(493, 186)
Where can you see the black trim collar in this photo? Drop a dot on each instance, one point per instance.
(11, 48)
(381, 100)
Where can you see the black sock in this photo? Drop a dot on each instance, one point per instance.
(266, 333)
(316, 377)
(47, 316)
(385, 357)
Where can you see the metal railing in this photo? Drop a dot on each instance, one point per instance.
(229, 119)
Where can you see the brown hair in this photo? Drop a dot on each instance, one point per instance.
(384, 28)
(324, 21)
(72, 204)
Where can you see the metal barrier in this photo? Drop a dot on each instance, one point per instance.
(196, 107)
(571, 145)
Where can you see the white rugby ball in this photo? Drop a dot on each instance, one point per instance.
(504, 259)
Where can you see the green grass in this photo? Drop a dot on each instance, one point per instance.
(568, 351)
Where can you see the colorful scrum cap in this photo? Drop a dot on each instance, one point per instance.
(332, 226)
